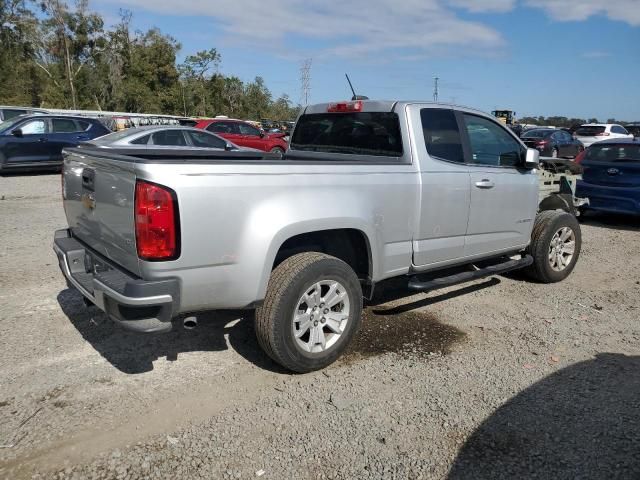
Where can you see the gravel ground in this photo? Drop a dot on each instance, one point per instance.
(501, 378)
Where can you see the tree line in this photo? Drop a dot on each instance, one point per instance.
(563, 122)
(56, 55)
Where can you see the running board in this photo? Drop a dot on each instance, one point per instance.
(424, 286)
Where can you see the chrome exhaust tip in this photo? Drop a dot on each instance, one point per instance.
(190, 323)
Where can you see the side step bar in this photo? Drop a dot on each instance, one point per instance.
(424, 286)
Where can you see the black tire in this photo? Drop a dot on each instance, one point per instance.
(274, 318)
(547, 224)
(277, 150)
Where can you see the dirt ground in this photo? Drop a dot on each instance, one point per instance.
(501, 378)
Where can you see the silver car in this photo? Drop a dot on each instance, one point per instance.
(163, 137)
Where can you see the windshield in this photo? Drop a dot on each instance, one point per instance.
(590, 131)
(362, 133)
(613, 153)
(537, 133)
(7, 124)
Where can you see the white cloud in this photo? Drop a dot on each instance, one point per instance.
(576, 10)
(349, 28)
(480, 6)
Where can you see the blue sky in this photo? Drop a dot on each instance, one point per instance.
(538, 57)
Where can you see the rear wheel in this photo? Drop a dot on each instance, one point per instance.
(277, 150)
(310, 313)
(555, 246)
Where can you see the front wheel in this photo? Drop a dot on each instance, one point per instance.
(277, 150)
(310, 313)
(555, 246)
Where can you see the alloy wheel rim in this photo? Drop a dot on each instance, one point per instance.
(561, 249)
(321, 316)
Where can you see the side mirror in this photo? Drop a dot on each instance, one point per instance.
(532, 158)
(229, 147)
(262, 134)
(17, 133)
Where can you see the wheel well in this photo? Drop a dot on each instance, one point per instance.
(558, 201)
(349, 245)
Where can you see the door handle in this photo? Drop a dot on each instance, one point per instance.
(485, 183)
(42, 139)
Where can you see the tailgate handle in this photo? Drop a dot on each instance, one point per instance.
(88, 179)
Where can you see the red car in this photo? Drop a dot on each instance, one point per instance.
(244, 134)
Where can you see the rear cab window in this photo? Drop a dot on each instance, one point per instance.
(611, 152)
(372, 134)
(590, 131)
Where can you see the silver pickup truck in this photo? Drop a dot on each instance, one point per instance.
(368, 190)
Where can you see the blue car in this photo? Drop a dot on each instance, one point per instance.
(611, 178)
(32, 142)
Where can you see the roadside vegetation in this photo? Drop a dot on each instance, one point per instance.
(56, 55)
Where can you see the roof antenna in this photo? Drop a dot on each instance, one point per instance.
(355, 97)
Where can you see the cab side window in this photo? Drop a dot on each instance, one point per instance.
(490, 143)
(169, 138)
(441, 134)
(224, 127)
(34, 127)
(64, 125)
(248, 130)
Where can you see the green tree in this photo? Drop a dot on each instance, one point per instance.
(150, 76)
(196, 74)
(18, 77)
(257, 99)
(66, 45)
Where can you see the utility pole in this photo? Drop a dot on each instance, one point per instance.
(435, 88)
(305, 81)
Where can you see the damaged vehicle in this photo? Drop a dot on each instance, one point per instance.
(367, 190)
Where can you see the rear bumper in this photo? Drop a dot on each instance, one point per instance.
(138, 305)
(610, 199)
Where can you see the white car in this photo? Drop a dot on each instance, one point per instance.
(596, 132)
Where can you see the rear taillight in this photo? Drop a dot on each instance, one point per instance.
(345, 107)
(157, 231)
(580, 156)
(542, 142)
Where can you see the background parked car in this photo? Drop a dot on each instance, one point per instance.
(244, 134)
(611, 177)
(596, 132)
(159, 137)
(7, 113)
(36, 141)
(633, 129)
(552, 143)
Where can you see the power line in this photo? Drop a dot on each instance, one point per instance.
(305, 81)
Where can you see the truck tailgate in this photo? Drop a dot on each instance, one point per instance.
(98, 196)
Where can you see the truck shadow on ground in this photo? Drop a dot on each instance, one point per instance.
(390, 324)
(581, 422)
(135, 353)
